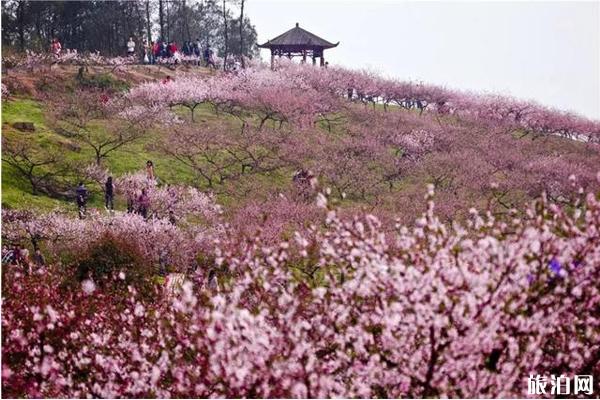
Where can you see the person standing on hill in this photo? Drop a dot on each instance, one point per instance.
(209, 57)
(205, 55)
(38, 259)
(130, 203)
(130, 47)
(17, 254)
(173, 52)
(146, 58)
(172, 218)
(150, 169)
(164, 50)
(81, 194)
(197, 51)
(109, 190)
(186, 48)
(144, 203)
(155, 51)
(150, 52)
(55, 47)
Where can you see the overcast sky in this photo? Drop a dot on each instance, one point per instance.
(545, 51)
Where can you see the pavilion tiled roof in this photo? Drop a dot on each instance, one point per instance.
(298, 37)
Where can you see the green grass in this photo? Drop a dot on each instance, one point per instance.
(23, 110)
(16, 190)
(16, 193)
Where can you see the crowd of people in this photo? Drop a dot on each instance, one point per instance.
(190, 52)
(137, 204)
(162, 51)
(18, 255)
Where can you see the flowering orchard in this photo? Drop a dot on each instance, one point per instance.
(368, 138)
(304, 95)
(324, 273)
(340, 309)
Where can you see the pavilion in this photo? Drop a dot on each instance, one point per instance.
(298, 42)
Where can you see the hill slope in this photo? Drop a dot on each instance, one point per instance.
(254, 266)
(374, 146)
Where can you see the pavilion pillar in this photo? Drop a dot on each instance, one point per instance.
(322, 61)
(304, 57)
(314, 60)
(272, 60)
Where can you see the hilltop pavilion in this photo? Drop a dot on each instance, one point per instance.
(298, 42)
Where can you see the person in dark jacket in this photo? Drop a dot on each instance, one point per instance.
(186, 49)
(109, 189)
(206, 54)
(17, 254)
(81, 194)
(130, 204)
(38, 258)
(143, 203)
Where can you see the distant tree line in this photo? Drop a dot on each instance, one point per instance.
(105, 26)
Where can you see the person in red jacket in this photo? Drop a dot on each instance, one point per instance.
(156, 49)
(172, 49)
(55, 47)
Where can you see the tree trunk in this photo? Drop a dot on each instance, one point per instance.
(168, 22)
(148, 26)
(99, 156)
(139, 25)
(161, 19)
(21, 24)
(242, 35)
(225, 32)
(186, 23)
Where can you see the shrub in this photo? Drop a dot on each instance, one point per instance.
(114, 262)
(102, 81)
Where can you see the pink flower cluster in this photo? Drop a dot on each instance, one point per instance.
(183, 201)
(341, 309)
(31, 60)
(63, 237)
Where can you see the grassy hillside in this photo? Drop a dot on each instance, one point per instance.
(31, 103)
(450, 165)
